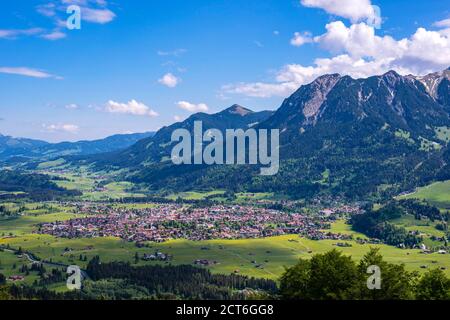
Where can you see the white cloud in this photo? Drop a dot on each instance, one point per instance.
(28, 72)
(359, 40)
(132, 107)
(354, 10)
(425, 51)
(72, 106)
(48, 10)
(101, 16)
(169, 80)
(14, 33)
(201, 107)
(300, 39)
(442, 23)
(360, 53)
(70, 128)
(178, 118)
(260, 89)
(55, 35)
(94, 11)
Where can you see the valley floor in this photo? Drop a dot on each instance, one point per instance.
(266, 257)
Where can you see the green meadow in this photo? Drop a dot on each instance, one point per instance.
(437, 194)
(89, 186)
(10, 266)
(195, 195)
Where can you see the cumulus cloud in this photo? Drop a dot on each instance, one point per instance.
(60, 127)
(300, 39)
(132, 107)
(354, 10)
(28, 72)
(191, 107)
(100, 16)
(169, 80)
(357, 51)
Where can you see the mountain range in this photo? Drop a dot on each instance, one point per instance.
(341, 136)
(355, 138)
(21, 149)
(157, 148)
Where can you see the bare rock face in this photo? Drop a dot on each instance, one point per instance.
(432, 81)
(319, 91)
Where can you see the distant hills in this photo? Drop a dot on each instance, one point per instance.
(20, 149)
(157, 148)
(341, 136)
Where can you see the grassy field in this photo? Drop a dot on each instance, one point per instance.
(437, 194)
(192, 195)
(443, 133)
(88, 185)
(10, 266)
(254, 257)
(20, 226)
(426, 228)
(113, 190)
(246, 196)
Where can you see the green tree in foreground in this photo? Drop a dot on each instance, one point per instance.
(333, 276)
(327, 276)
(396, 282)
(433, 285)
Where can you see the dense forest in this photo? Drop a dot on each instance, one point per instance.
(183, 281)
(375, 223)
(38, 187)
(121, 281)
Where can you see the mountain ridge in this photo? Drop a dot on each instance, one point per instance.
(157, 148)
(24, 148)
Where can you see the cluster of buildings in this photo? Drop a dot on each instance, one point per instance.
(173, 221)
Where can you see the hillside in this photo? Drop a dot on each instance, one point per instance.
(155, 150)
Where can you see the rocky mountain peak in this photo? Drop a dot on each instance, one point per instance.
(433, 80)
(319, 91)
(238, 109)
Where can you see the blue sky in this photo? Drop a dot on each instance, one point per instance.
(137, 65)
